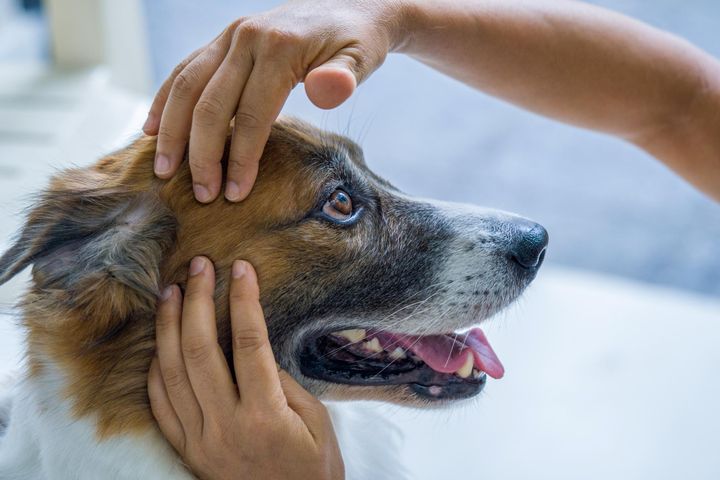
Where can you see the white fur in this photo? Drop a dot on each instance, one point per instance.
(369, 440)
(44, 442)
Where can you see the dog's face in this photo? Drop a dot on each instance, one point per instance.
(363, 286)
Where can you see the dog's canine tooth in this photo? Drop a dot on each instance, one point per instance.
(467, 368)
(355, 335)
(373, 345)
(398, 354)
(476, 373)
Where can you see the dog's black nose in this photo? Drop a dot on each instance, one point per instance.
(529, 243)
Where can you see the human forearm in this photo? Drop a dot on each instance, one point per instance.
(567, 60)
(579, 64)
(690, 144)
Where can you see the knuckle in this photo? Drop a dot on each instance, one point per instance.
(165, 321)
(239, 163)
(174, 377)
(208, 110)
(196, 349)
(250, 28)
(179, 68)
(203, 166)
(185, 82)
(247, 340)
(169, 134)
(277, 38)
(248, 120)
(235, 24)
(161, 96)
(361, 60)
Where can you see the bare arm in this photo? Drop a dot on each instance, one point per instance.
(585, 66)
(567, 60)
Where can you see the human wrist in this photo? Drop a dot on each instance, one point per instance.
(424, 26)
(407, 16)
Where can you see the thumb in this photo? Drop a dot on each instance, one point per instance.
(333, 82)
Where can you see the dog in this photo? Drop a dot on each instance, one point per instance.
(365, 291)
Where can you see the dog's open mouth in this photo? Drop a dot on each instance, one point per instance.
(447, 366)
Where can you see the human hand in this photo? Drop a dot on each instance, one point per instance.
(267, 426)
(247, 73)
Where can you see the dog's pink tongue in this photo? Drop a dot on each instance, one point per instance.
(447, 354)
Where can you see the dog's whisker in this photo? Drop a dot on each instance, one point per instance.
(427, 329)
(452, 346)
(417, 305)
(345, 346)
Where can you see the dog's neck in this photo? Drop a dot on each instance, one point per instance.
(101, 377)
(46, 439)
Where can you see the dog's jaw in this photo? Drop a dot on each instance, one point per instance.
(470, 278)
(104, 240)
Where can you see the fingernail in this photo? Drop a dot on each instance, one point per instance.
(196, 266)
(232, 191)
(149, 122)
(239, 269)
(162, 165)
(244, 189)
(201, 193)
(166, 294)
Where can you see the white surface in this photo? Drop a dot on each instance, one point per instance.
(126, 50)
(76, 29)
(56, 120)
(606, 379)
(88, 33)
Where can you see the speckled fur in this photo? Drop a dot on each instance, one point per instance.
(105, 239)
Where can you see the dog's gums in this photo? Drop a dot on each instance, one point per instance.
(361, 284)
(435, 367)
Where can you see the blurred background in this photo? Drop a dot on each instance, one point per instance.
(611, 355)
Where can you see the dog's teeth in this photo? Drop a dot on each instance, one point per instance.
(356, 335)
(476, 373)
(467, 368)
(373, 345)
(398, 354)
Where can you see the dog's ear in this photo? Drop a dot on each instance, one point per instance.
(96, 241)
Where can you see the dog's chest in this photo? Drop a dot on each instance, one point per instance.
(44, 442)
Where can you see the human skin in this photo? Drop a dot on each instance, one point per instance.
(567, 60)
(265, 426)
(570, 61)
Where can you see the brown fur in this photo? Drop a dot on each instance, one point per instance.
(99, 330)
(104, 240)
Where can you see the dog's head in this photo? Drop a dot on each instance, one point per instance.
(364, 287)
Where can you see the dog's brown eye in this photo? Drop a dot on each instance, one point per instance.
(339, 206)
